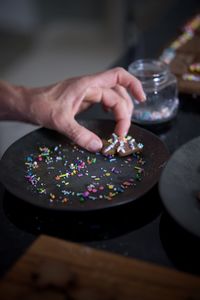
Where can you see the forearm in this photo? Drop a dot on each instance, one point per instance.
(13, 104)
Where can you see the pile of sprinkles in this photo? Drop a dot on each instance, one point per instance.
(65, 173)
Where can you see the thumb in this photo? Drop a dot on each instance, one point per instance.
(83, 137)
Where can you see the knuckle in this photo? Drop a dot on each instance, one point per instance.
(119, 70)
(83, 81)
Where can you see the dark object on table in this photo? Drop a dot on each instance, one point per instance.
(179, 184)
(155, 154)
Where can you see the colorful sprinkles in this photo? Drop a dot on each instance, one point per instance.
(121, 146)
(188, 32)
(169, 53)
(191, 77)
(65, 173)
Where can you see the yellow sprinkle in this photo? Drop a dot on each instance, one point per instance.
(110, 186)
(137, 168)
(112, 194)
(107, 197)
(52, 196)
(107, 174)
(62, 175)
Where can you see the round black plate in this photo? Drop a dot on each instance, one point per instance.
(12, 166)
(179, 185)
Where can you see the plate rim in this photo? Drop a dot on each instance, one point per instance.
(160, 183)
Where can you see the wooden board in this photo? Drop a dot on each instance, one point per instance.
(183, 52)
(186, 55)
(56, 269)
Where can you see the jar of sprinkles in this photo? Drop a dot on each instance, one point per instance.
(160, 87)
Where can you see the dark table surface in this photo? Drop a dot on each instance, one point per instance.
(143, 231)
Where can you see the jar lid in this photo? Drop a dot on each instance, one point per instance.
(149, 71)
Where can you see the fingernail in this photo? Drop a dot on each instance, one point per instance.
(94, 146)
(144, 97)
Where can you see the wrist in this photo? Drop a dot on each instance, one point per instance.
(20, 106)
(35, 105)
(12, 102)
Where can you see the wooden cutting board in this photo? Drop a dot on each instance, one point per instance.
(186, 51)
(56, 269)
(186, 55)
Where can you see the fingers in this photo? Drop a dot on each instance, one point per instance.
(121, 111)
(109, 88)
(124, 94)
(95, 95)
(82, 136)
(119, 76)
(111, 100)
(122, 127)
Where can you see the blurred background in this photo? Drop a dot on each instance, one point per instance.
(45, 41)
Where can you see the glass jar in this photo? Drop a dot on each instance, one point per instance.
(160, 87)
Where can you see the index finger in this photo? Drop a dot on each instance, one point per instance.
(119, 76)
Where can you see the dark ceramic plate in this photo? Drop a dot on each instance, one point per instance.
(13, 169)
(180, 184)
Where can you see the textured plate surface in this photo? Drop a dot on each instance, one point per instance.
(13, 169)
(179, 185)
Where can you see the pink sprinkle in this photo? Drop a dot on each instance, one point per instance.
(85, 194)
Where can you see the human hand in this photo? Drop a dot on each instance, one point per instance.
(56, 106)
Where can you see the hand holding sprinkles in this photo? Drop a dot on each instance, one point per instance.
(53, 172)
